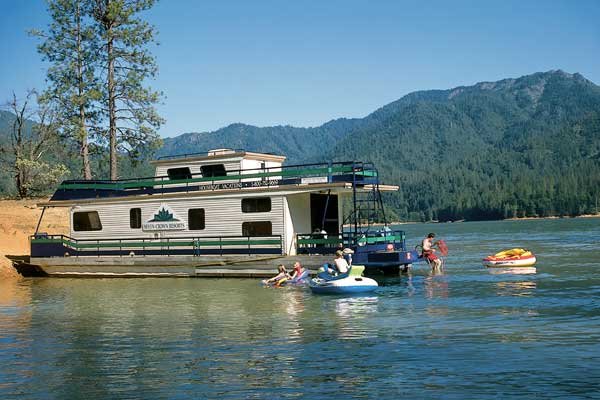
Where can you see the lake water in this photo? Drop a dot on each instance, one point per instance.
(464, 334)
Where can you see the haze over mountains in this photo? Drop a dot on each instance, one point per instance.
(517, 147)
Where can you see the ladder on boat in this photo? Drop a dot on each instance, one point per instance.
(367, 206)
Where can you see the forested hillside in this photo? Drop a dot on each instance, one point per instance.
(513, 148)
(517, 147)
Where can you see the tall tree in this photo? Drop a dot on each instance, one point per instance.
(130, 106)
(33, 134)
(71, 45)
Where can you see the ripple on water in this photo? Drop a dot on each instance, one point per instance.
(463, 334)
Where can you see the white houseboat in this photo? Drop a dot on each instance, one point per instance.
(221, 213)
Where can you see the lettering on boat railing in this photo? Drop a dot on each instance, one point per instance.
(314, 179)
(240, 185)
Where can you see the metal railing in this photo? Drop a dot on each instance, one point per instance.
(347, 171)
(318, 243)
(44, 245)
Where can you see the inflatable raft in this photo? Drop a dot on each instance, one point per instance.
(348, 283)
(513, 258)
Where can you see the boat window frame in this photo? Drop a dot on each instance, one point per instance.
(91, 225)
(179, 173)
(253, 205)
(246, 226)
(190, 224)
(213, 170)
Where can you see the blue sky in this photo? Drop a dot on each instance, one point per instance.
(303, 63)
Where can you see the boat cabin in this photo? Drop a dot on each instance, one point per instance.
(222, 202)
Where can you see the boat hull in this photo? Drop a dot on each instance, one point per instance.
(349, 285)
(161, 266)
(510, 263)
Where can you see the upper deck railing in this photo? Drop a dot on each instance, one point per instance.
(224, 152)
(346, 171)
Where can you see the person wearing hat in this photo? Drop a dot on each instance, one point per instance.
(429, 251)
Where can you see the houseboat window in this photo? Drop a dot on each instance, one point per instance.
(135, 218)
(256, 204)
(179, 173)
(213, 170)
(257, 228)
(196, 219)
(86, 221)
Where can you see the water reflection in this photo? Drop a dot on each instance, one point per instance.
(524, 288)
(436, 285)
(15, 321)
(484, 337)
(353, 316)
(293, 300)
(513, 271)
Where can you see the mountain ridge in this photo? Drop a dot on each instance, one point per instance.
(527, 146)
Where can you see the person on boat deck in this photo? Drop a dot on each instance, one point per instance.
(429, 251)
(298, 270)
(340, 262)
(280, 278)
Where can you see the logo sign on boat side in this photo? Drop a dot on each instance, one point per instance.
(164, 219)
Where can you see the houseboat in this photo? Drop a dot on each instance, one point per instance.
(221, 213)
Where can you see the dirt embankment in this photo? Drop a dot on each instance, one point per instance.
(18, 219)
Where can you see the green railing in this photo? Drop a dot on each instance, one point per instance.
(326, 243)
(237, 175)
(43, 245)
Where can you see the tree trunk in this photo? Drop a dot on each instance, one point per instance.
(87, 169)
(112, 129)
(83, 136)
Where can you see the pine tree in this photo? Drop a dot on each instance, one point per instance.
(129, 105)
(71, 46)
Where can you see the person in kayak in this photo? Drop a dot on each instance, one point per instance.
(429, 252)
(278, 279)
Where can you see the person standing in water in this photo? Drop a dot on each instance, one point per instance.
(429, 252)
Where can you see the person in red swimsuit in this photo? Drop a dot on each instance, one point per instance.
(429, 251)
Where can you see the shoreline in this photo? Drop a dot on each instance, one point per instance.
(487, 220)
(18, 220)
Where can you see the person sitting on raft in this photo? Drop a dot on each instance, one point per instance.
(429, 251)
(340, 262)
(298, 271)
(280, 278)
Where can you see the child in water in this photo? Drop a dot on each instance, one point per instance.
(278, 279)
(298, 271)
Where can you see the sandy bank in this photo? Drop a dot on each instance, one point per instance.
(18, 219)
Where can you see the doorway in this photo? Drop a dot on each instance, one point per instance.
(324, 212)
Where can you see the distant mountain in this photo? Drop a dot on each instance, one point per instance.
(517, 147)
(298, 144)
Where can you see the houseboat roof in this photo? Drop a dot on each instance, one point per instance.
(274, 178)
(217, 154)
